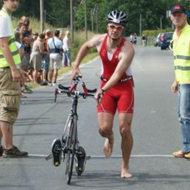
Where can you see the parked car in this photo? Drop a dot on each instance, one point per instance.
(157, 39)
(165, 39)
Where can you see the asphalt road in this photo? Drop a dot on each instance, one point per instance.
(155, 129)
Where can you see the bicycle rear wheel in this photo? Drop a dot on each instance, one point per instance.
(71, 149)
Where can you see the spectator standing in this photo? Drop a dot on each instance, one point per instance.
(134, 39)
(10, 79)
(19, 45)
(36, 57)
(46, 60)
(55, 47)
(23, 20)
(131, 38)
(21, 53)
(34, 36)
(26, 40)
(144, 40)
(25, 60)
(181, 84)
(67, 49)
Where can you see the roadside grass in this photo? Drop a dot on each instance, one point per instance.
(63, 70)
(88, 58)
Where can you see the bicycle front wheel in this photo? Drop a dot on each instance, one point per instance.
(71, 149)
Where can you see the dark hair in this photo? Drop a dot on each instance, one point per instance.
(42, 36)
(56, 33)
(17, 36)
(25, 20)
(35, 33)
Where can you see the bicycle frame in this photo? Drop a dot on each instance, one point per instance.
(69, 137)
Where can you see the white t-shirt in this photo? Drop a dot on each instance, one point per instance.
(18, 45)
(5, 29)
(66, 44)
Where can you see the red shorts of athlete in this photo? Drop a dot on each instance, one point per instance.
(120, 97)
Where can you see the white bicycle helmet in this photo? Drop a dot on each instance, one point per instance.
(117, 17)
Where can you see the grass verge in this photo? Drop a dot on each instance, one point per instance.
(64, 70)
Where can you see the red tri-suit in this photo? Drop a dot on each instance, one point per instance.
(121, 96)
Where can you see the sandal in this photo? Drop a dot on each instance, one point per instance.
(180, 154)
(187, 156)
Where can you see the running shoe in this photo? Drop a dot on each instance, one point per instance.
(43, 83)
(1, 150)
(80, 160)
(27, 90)
(14, 153)
(56, 152)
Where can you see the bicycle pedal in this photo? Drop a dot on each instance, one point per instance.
(48, 157)
(88, 157)
(56, 152)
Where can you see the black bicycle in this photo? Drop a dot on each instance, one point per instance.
(68, 146)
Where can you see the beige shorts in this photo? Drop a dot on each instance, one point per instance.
(9, 96)
(55, 64)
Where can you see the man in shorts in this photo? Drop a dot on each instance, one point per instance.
(55, 47)
(10, 78)
(116, 89)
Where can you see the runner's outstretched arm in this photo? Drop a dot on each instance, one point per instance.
(94, 42)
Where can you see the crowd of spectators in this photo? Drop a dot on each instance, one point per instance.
(42, 54)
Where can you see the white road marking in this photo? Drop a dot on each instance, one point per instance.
(112, 157)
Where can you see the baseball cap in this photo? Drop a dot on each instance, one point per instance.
(178, 9)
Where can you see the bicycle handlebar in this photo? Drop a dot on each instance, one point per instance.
(71, 90)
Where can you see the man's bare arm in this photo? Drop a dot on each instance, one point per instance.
(94, 42)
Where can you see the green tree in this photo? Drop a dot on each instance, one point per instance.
(58, 12)
(28, 8)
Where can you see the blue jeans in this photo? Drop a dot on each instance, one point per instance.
(45, 62)
(67, 59)
(184, 114)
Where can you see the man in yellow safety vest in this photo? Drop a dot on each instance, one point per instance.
(181, 51)
(10, 77)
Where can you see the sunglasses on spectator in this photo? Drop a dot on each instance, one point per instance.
(113, 27)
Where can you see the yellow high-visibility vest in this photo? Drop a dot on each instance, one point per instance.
(12, 46)
(181, 50)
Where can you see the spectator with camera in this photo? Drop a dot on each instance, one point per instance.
(26, 41)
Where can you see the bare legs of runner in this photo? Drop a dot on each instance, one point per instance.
(106, 130)
(126, 142)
